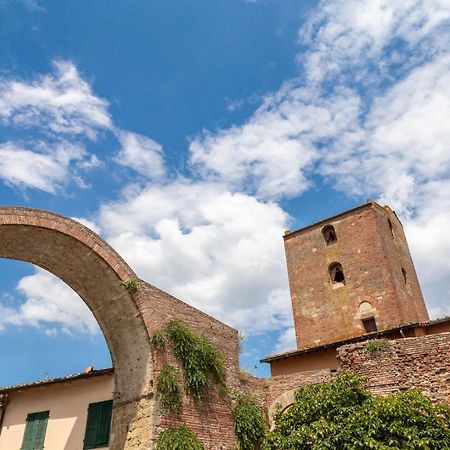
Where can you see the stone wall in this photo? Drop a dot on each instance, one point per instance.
(420, 362)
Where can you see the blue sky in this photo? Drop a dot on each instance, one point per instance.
(190, 135)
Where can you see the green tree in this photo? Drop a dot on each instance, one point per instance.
(342, 414)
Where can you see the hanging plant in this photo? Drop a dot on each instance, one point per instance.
(168, 388)
(199, 358)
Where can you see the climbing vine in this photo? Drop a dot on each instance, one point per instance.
(249, 423)
(199, 358)
(168, 387)
(159, 340)
(181, 438)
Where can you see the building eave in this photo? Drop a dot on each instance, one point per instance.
(375, 334)
(50, 381)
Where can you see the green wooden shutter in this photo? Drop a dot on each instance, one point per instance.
(90, 436)
(104, 424)
(41, 428)
(28, 436)
(98, 425)
(35, 429)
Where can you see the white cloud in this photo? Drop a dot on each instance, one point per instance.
(44, 168)
(142, 154)
(49, 304)
(50, 110)
(89, 224)
(271, 154)
(220, 251)
(346, 38)
(62, 103)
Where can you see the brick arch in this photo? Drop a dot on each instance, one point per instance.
(94, 270)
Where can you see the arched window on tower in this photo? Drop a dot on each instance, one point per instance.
(329, 234)
(336, 274)
(367, 315)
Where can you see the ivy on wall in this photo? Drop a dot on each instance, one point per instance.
(201, 363)
(249, 423)
(168, 386)
(199, 359)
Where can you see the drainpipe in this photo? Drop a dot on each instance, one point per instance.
(3, 403)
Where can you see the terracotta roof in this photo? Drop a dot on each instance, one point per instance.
(67, 378)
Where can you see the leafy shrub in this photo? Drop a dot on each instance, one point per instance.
(180, 438)
(341, 414)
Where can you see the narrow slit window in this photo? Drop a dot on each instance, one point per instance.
(391, 227)
(337, 276)
(405, 276)
(329, 234)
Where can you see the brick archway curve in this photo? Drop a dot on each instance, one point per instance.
(94, 270)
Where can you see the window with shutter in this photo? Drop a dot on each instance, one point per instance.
(35, 429)
(98, 425)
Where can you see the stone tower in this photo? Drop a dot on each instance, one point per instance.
(350, 275)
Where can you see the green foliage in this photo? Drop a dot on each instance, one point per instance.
(169, 389)
(180, 438)
(249, 424)
(130, 285)
(199, 358)
(341, 414)
(159, 340)
(377, 345)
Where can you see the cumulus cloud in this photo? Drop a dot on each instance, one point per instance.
(270, 154)
(352, 41)
(50, 110)
(50, 305)
(61, 102)
(221, 251)
(44, 168)
(142, 154)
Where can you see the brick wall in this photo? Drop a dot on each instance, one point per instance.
(212, 418)
(420, 362)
